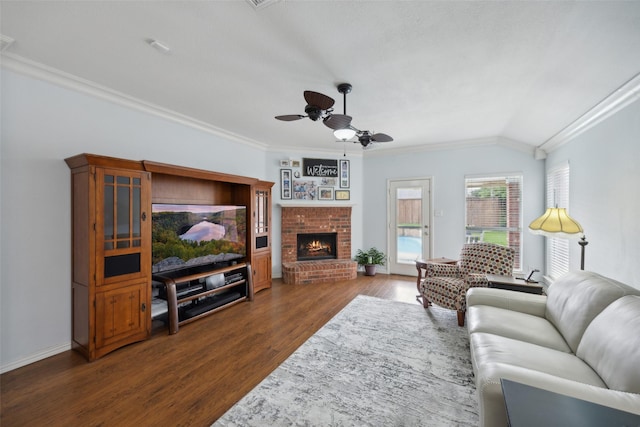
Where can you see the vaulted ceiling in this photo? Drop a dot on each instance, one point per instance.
(424, 72)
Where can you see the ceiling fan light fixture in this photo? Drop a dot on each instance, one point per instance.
(344, 134)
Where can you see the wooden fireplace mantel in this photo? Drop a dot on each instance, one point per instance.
(317, 205)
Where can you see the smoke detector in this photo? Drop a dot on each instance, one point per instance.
(5, 42)
(260, 4)
(159, 46)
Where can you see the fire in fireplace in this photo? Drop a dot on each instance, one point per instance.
(313, 246)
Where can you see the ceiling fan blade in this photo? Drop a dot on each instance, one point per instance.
(381, 137)
(319, 100)
(338, 121)
(290, 117)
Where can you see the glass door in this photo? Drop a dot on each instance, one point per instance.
(262, 218)
(410, 229)
(124, 242)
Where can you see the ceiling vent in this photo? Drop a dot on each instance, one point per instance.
(5, 42)
(261, 4)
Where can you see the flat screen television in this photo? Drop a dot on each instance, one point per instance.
(197, 237)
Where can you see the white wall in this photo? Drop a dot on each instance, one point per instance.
(604, 193)
(42, 124)
(447, 170)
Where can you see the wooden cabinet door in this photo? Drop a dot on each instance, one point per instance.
(261, 271)
(123, 258)
(121, 314)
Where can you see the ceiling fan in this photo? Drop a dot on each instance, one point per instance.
(365, 138)
(319, 106)
(343, 130)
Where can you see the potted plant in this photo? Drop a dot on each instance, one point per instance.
(369, 259)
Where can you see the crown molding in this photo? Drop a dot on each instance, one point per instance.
(616, 101)
(318, 151)
(57, 77)
(455, 145)
(315, 204)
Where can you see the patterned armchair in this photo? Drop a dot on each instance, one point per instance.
(446, 284)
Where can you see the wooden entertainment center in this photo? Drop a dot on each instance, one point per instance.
(111, 251)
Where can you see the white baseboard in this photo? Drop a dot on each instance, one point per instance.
(51, 351)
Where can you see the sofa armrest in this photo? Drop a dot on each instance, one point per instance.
(491, 401)
(510, 300)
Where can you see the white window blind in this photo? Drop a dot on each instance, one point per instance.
(493, 207)
(558, 195)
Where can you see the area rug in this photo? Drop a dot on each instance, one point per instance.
(376, 363)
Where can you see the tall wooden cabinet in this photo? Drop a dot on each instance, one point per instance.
(111, 266)
(112, 244)
(261, 244)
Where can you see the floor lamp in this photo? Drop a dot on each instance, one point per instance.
(555, 222)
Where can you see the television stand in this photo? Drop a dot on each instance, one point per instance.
(207, 292)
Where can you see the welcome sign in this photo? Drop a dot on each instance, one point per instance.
(320, 167)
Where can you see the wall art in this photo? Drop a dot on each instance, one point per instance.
(320, 167)
(305, 190)
(344, 174)
(325, 193)
(285, 184)
(342, 195)
(329, 181)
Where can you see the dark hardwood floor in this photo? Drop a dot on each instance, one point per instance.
(190, 378)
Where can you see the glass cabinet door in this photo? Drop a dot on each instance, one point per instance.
(262, 218)
(124, 200)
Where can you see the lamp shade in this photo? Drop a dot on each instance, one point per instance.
(555, 222)
(344, 134)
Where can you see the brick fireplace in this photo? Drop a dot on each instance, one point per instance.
(319, 220)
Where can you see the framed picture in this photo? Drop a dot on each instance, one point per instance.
(329, 181)
(344, 174)
(320, 168)
(285, 184)
(285, 163)
(342, 195)
(295, 163)
(305, 190)
(325, 193)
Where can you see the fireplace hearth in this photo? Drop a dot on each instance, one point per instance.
(316, 246)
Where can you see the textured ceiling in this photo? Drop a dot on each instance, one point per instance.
(424, 72)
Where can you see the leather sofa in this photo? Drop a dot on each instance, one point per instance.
(582, 339)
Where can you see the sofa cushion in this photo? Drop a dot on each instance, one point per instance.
(536, 305)
(611, 344)
(577, 298)
(516, 325)
(489, 349)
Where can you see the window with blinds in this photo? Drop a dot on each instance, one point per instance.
(557, 194)
(493, 207)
